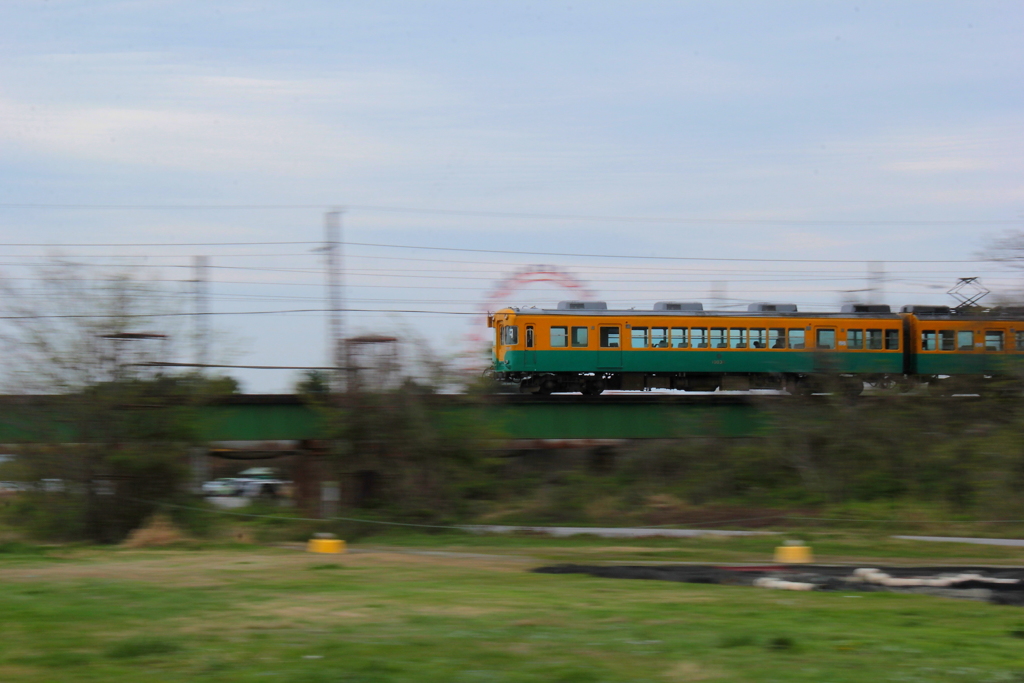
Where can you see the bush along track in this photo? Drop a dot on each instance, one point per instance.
(998, 586)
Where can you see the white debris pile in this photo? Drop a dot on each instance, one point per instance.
(782, 584)
(880, 578)
(997, 585)
(869, 578)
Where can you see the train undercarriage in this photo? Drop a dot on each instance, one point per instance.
(593, 384)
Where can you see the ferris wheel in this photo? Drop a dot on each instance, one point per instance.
(503, 290)
(528, 275)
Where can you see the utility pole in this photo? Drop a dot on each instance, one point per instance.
(335, 304)
(330, 487)
(200, 282)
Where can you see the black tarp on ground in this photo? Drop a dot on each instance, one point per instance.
(824, 577)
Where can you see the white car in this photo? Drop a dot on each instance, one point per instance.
(263, 488)
(225, 486)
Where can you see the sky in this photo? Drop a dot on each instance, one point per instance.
(812, 139)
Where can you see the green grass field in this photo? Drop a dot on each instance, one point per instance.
(839, 547)
(460, 608)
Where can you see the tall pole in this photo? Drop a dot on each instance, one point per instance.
(329, 488)
(335, 304)
(200, 281)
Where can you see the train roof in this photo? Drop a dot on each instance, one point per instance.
(1012, 316)
(699, 314)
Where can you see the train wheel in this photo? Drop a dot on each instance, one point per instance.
(593, 387)
(851, 387)
(885, 383)
(798, 386)
(906, 385)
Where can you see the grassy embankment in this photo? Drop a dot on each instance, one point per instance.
(454, 607)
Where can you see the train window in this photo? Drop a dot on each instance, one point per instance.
(579, 337)
(757, 338)
(796, 338)
(699, 337)
(1020, 340)
(510, 335)
(777, 338)
(737, 338)
(659, 337)
(639, 338)
(826, 339)
(993, 340)
(892, 340)
(679, 338)
(855, 339)
(559, 337)
(874, 340)
(718, 338)
(529, 336)
(610, 337)
(965, 340)
(929, 340)
(947, 340)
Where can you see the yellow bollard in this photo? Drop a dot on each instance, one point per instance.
(325, 543)
(794, 552)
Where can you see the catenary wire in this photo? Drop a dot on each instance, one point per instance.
(513, 215)
(212, 313)
(657, 258)
(493, 251)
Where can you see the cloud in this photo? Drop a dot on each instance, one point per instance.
(201, 139)
(945, 165)
(183, 117)
(992, 147)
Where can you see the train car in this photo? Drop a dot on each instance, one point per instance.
(585, 347)
(963, 352)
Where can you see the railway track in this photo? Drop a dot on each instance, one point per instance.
(706, 399)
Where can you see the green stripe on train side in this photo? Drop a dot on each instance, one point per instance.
(711, 360)
(978, 363)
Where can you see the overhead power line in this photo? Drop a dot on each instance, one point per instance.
(627, 256)
(669, 219)
(157, 364)
(177, 315)
(511, 215)
(144, 244)
(382, 245)
(158, 207)
(981, 267)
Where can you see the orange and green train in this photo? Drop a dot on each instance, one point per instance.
(585, 347)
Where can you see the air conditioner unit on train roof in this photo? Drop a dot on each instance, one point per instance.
(679, 306)
(866, 308)
(582, 306)
(763, 307)
(925, 310)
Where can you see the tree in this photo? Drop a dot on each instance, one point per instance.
(396, 446)
(1007, 249)
(79, 348)
(313, 383)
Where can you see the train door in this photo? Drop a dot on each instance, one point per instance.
(825, 359)
(530, 357)
(825, 339)
(609, 353)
